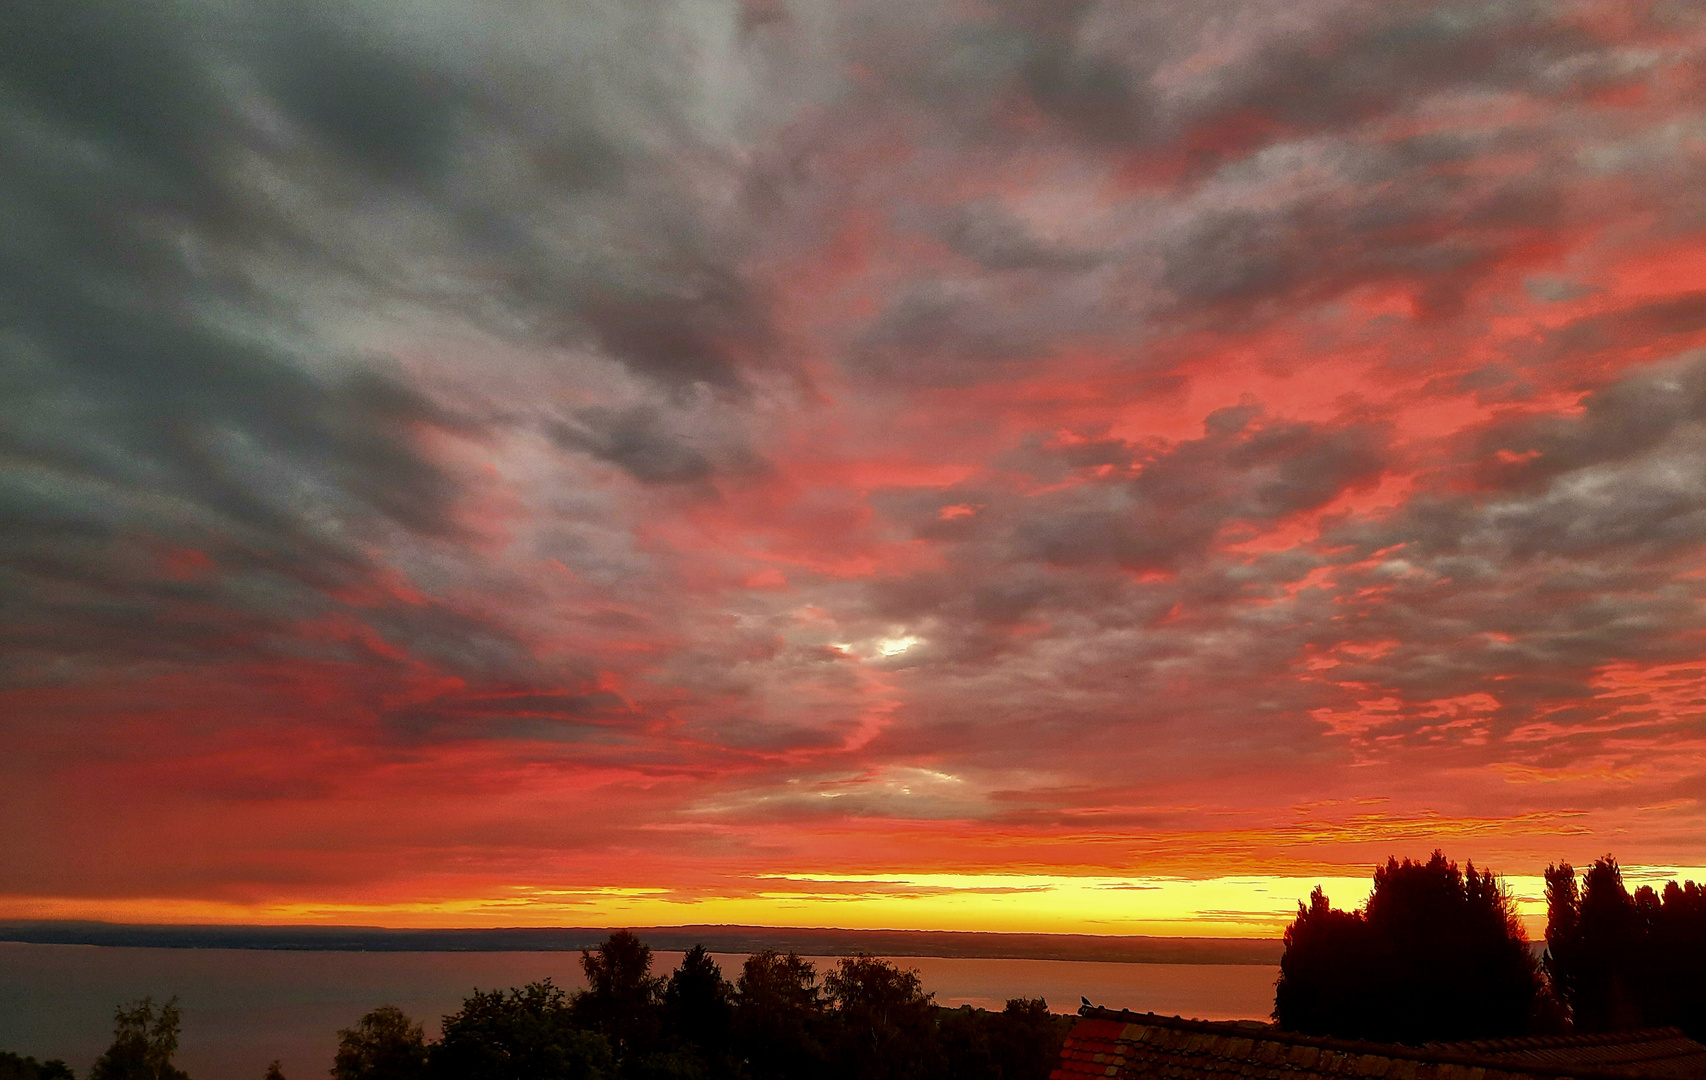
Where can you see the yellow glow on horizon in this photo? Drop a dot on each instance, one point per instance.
(1233, 906)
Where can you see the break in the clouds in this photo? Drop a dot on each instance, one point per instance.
(486, 461)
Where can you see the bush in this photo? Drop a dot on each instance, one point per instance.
(1022, 1042)
(14, 1067)
(526, 1034)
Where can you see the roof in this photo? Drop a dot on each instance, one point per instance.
(1127, 1046)
(1658, 1052)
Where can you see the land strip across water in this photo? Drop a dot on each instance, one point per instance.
(815, 941)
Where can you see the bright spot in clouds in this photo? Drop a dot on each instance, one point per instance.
(896, 645)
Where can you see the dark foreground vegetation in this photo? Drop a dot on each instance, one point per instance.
(866, 1019)
(16, 1067)
(144, 1040)
(1437, 954)
(1624, 961)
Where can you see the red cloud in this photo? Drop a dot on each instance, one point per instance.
(1107, 441)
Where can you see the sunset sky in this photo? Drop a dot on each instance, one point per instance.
(1050, 465)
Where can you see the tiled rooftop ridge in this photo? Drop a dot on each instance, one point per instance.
(1120, 1044)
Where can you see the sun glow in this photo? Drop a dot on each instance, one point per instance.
(894, 646)
(1034, 903)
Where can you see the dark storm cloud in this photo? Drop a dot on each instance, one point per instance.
(1383, 219)
(1624, 420)
(997, 240)
(1059, 563)
(128, 333)
(123, 76)
(935, 333)
(391, 109)
(1309, 161)
(167, 383)
(1523, 591)
(1244, 469)
(1621, 478)
(1372, 59)
(1450, 627)
(1606, 333)
(140, 404)
(128, 364)
(703, 326)
(1096, 97)
(636, 440)
(1397, 208)
(507, 713)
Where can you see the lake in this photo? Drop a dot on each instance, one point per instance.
(242, 1008)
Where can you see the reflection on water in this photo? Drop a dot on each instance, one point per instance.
(243, 1008)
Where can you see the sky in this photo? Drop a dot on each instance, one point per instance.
(1039, 465)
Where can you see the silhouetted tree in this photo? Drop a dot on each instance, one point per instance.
(622, 1000)
(1677, 992)
(1435, 954)
(143, 1044)
(700, 1012)
(274, 1072)
(884, 1022)
(1326, 971)
(1562, 960)
(778, 1017)
(16, 1067)
(1590, 933)
(1624, 961)
(384, 1045)
(526, 1034)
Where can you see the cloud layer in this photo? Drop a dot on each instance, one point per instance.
(461, 459)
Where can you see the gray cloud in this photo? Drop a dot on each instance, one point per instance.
(997, 240)
(636, 440)
(173, 371)
(1242, 470)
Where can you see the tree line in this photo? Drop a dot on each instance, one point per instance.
(866, 1019)
(1622, 960)
(1437, 954)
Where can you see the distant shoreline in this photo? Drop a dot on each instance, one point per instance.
(810, 941)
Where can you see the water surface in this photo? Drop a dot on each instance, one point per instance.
(242, 1007)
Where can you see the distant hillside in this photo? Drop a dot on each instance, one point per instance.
(724, 939)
